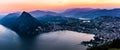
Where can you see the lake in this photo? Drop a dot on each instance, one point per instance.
(59, 40)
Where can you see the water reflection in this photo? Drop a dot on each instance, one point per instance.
(62, 40)
(59, 40)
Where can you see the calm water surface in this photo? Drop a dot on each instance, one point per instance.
(59, 40)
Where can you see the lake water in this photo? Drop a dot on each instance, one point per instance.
(59, 40)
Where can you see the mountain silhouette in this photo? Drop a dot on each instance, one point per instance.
(27, 26)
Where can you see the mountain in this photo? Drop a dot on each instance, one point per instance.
(40, 13)
(91, 13)
(27, 26)
(73, 11)
(9, 20)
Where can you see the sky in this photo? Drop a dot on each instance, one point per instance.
(56, 5)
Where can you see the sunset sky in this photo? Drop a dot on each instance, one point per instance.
(28, 5)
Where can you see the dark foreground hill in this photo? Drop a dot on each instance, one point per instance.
(114, 45)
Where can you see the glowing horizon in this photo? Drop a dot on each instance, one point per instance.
(28, 5)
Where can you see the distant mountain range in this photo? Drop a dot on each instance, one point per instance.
(40, 13)
(91, 13)
(78, 13)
